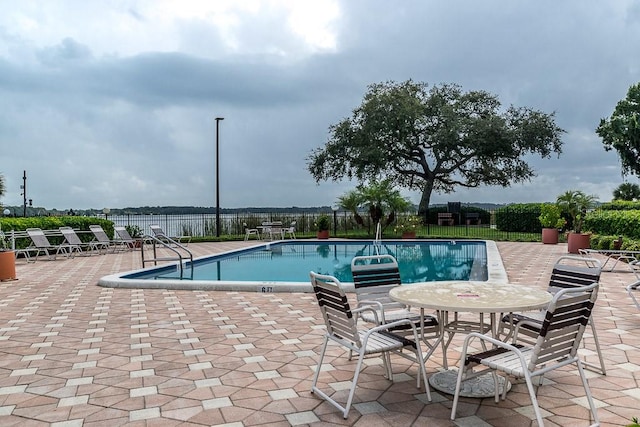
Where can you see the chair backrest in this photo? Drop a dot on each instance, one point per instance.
(157, 230)
(335, 308)
(100, 234)
(38, 238)
(566, 275)
(565, 320)
(70, 235)
(374, 276)
(122, 233)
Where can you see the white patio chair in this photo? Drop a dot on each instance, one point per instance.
(290, 231)
(373, 277)
(100, 238)
(342, 329)
(634, 288)
(556, 346)
(248, 232)
(569, 272)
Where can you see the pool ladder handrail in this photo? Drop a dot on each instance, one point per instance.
(170, 244)
(377, 242)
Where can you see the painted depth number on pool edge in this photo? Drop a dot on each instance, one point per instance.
(266, 289)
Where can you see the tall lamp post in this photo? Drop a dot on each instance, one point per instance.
(218, 175)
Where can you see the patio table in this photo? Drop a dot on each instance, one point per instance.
(482, 298)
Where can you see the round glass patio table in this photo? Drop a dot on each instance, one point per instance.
(469, 297)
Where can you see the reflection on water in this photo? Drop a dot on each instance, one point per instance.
(424, 261)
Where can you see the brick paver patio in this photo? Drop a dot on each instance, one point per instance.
(73, 353)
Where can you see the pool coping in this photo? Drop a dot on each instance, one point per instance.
(495, 269)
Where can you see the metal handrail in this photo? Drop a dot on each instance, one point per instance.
(167, 243)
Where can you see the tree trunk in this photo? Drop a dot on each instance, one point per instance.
(423, 207)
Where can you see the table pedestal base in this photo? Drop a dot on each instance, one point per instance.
(481, 386)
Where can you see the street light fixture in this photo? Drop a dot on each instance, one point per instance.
(218, 175)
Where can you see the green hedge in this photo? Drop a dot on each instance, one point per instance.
(614, 223)
(620, 205)
(520, 217)
(79, 223)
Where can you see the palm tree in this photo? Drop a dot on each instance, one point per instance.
(576, 203)
(627, 191)
(2, 188)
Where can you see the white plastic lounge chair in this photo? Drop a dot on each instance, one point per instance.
(248, 232)
(160, 234)
(74, 242)
(100, 238)
(555, 347)
(342, 329)
(41, 245)
(373, 277)
(564, 275)
(125, 238)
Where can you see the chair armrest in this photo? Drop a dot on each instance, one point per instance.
(367, 308)
(377, 304)
(493, 341)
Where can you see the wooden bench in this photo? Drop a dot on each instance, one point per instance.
(445, 218)
(472, 217)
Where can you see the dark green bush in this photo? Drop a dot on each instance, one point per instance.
(614, 223)
(620, 205)
(522, 217)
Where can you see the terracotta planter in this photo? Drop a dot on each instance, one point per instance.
(7, 265)
(576, 241)
(550, 236)
(409, 235)
(324, 234)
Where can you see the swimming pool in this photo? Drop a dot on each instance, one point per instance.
(284, 266)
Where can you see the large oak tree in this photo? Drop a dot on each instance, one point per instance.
(621, 131)
(435, 139)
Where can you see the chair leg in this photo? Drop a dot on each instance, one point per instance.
(532, 395)
(320, 359)
(587, 391)
(597, 342)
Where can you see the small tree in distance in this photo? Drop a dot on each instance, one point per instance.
(627, 191)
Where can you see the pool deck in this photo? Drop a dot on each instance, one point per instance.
(73, 353)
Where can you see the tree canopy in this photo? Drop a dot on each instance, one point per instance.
(435, 139)
(621, 131)
(627, 191)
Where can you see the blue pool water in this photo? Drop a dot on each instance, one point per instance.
(276, 264)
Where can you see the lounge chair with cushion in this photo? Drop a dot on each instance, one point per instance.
(159, 233)
(340, 321)
(556, 346)
(41, 245)
(373, 277)
(568, 272)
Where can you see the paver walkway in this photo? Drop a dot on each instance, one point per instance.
(73, 353)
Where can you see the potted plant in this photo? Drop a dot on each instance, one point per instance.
(7, 259)
(551, 222)
(576, 204)
(322, 223)
(408, 226)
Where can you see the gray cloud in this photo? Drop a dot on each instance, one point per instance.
(96, 125)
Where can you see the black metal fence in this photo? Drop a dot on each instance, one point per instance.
(494, 225)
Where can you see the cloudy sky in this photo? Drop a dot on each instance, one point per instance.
(112, 103)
